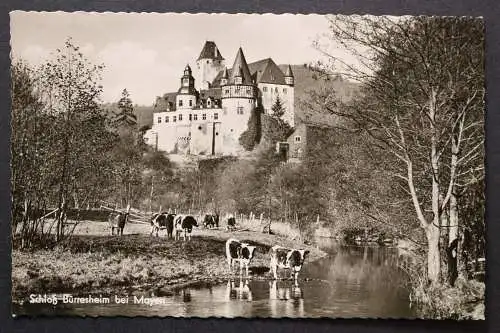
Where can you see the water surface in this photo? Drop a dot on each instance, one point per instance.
(351, 281)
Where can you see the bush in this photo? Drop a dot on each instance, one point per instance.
(463, 301)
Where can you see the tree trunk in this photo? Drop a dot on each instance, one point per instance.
(433, 258)
(453, 241)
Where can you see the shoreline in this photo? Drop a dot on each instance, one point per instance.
(98, 263)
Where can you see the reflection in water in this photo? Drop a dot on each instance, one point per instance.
(349, 282)
(286, 299)
(242, 292)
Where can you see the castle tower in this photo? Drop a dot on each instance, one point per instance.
(238, 102)
(187, 94)
(289, 79)
(209, 64)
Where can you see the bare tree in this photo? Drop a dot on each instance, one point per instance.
(422, 100)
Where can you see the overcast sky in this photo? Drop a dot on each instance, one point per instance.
(146, 53)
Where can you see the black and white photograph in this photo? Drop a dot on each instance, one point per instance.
(247, 165)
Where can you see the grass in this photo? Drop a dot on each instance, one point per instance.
(94, 261)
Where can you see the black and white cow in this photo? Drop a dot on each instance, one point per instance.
(291, 259)
(163, 221)
(183, 224)
(117, 220)
(231, 222)
(211, 221)
(238, 251)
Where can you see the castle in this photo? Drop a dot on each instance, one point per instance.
(209, 120)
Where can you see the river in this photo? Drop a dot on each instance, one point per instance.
(352, 281)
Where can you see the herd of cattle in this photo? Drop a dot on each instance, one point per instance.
(236, 251)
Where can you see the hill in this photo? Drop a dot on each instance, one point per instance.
(308, 79)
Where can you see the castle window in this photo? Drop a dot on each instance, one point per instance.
(208, 102)
(159, 120)
(190, 103)
(208, 61)
(250, 101)
(276, 89)
(216, 116)
(180, 117)
(190, 117)
(239, 110)
(174, 119)
(224, 110)
(297, 138)
(195, 117)
(227, 91)
(180, 102)
(249, 91)
(264, 89)
(204, 116)
(284, 90)
(166, 119)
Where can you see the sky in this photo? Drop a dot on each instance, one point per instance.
(147, 52)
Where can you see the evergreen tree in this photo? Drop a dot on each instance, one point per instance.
(126, 110)
(278, 108)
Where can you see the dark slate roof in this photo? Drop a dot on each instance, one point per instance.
(265, 71)
(271, 74)
(214, 93)
(210, 51)
(167, 101)
(240, 67)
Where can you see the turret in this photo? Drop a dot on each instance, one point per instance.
(186, 95)
(225, 77)
(238, 79)
(289, 79)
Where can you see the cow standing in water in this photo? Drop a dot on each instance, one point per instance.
(238, 251)
(184, 224)
(288, 259)
(163, 221)
(118, 220)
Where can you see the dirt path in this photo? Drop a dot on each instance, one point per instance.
(97, 262)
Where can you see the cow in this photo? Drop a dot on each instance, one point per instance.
(238, 251)
(291, 259)
(240, 292)
(162, 221)
(184, 224)
(231, 222)
(211, 221)
(118, 220)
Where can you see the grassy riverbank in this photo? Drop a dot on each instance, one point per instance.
(94, 261)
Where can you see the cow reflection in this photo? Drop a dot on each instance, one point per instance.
(286, 299)
(240, 292)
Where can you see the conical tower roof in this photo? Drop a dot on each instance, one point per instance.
(224, 74)
(289, 71)
(240, 67)
(210, 51)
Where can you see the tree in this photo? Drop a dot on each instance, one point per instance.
(59, 136)
(274, 127)
(423, 87)
(126, 114)
(278, 108)
(251, 136)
